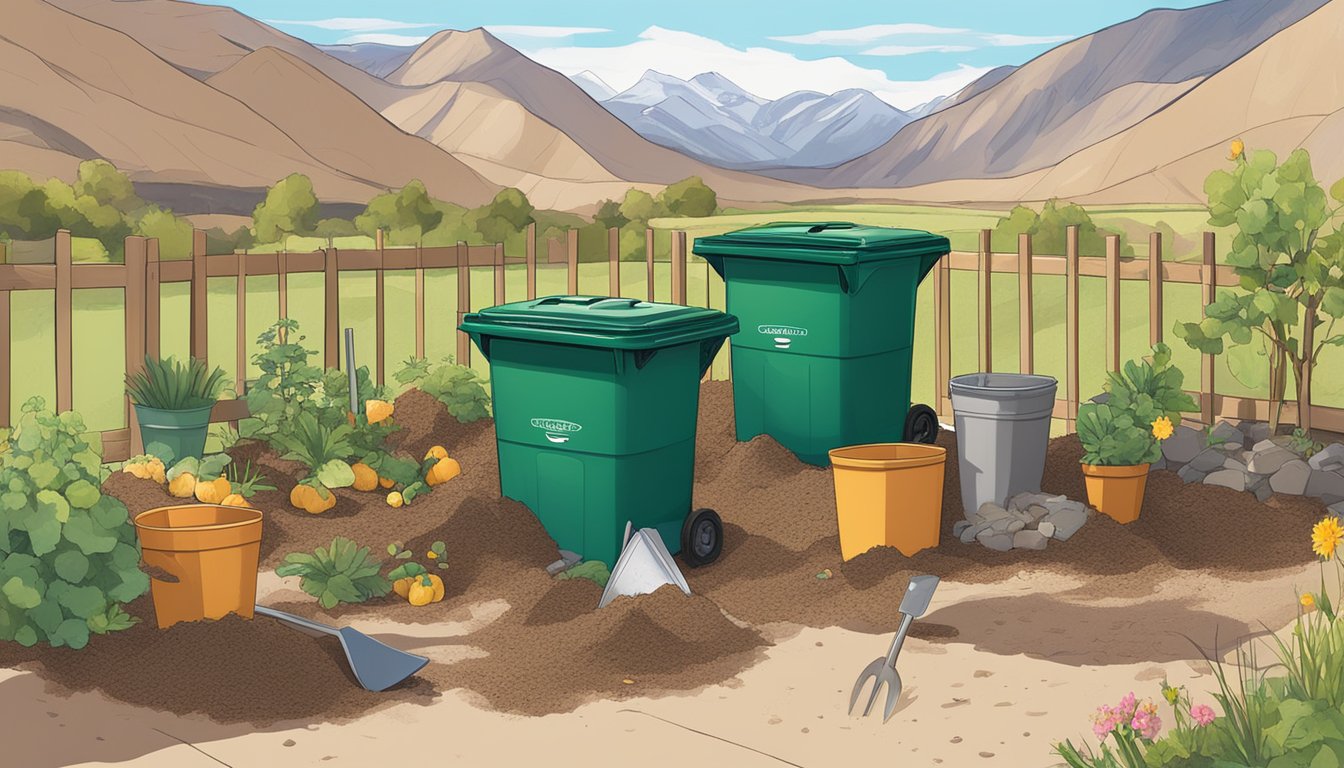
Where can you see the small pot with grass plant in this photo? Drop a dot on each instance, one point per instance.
(1123, 436)
(173, 401)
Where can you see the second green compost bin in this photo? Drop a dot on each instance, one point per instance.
(595, 403)
(823, 359)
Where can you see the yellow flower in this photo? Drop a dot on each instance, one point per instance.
(1162, 428)
(432, 555)
(1238, 149)
(1326, 537)
(1308, 601)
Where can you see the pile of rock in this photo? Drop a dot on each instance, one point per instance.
(1246, 457)
(1028, 522)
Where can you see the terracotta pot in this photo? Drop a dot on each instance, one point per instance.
(1116, 491)
(202, 560)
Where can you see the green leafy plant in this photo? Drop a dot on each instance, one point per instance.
(246, 481)
(170, 385)
(322, 449)
(70, 557)
(1124, 430)
(413, 370)
(340, 573)
(1300, 442)
(287, 384)
(460, 389)
(436, 555)
(593, 570)
(1291, 270)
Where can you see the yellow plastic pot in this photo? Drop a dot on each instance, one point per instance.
(888, 494)
(1116, 491)
(202, 560)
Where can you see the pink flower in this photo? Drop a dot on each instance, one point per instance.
(1146, 721)
(1106, 720)
(1202, 713)
(1127, 704)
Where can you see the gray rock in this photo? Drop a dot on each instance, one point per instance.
(1267, 461)
(1016, 525)
(1183, 445)
(970, 534)
(1066, 521)
(1029, 540)
(1046, 528)
(1002, 525)
(1254, 481)
(1207, 460)
(1255, 431)
(1036, 512)
(1227, 478)
(1025, 500)
(960, 527)
(1329, 457)
(1336, 509)
(1159, 464)
(1190, 475)
(989, 512)
(1000, 542)
(1263, 492)
(567, 560)
(1235, 464)
(1291, 478)
(1322, 484)
(1226, 435)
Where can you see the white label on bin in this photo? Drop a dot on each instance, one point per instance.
(557, 430)
(783, 334)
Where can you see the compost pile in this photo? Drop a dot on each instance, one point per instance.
(550, 650)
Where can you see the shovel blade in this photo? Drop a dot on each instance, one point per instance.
(377, 666)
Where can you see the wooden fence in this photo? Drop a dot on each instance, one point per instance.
(142, 273)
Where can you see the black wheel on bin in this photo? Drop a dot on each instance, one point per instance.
(701, 538)
(921, 425)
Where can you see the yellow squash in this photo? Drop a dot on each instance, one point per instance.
(183, 486)
(420, 593)
(377, 410)
(365, 478)
(443, 471)
(213, 491)
(236, 500)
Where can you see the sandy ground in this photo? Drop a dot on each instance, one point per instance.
(963, 703)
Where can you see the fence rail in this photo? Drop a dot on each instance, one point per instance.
(143, 272)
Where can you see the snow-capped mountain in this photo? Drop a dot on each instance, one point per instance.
(714, 119)
(593, 86)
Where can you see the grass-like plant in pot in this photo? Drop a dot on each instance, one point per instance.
(1123, 436)
(173, 402)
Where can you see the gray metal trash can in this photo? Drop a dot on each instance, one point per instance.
(1003, 429)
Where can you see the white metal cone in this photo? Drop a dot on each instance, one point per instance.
(643, 567)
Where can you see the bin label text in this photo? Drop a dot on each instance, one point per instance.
(557, 430)
(783, 334)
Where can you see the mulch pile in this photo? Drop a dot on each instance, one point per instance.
(551, 650)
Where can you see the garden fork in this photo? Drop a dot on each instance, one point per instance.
(883, 670)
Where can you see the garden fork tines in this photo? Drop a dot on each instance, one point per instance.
(883, 670)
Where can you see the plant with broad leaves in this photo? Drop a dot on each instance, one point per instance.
(69, 557)
(460, 389)
(1124, 431)
(342, 572)
(1291, 270)
(287, 384)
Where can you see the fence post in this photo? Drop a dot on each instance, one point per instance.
(136, 282)
(240, 331)
(650, 272)
(613, 261)
(463, 301)
(419, 300)
(1112, 302)
(331, 323)
(64, 322)
(1073, 384)
(679, 267)
(200, 307)
(942, 333)
(531, 261)
(1209, 279)
(379, 314)
(986, 305)
(1154, 289)
(500, 292)
(1026, 340)
(152, 297)
(572, 261)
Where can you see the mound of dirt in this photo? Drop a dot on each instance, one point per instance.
(232, 670)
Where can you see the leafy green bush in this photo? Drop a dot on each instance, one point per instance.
(340, 573)
(70, 555)
(170, 385)
(592, 570)
(1145, 404)
(286, 386)
(459, 388)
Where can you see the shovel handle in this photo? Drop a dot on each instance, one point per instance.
(297, 621)
(899, 639)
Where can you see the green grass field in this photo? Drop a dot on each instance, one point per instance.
(99, 343)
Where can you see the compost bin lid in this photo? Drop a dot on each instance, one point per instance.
(824, 242)
(598, 321)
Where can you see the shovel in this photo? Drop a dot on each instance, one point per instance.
(883, 670)
(377, 666)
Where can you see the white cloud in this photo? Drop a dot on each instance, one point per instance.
(907, 50)
(542, 32)
(1012, 40)
(346, 24)
(867, 34)
(384, 39)
(765, 72)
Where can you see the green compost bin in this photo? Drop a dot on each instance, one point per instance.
(827, 310)
(595, 403)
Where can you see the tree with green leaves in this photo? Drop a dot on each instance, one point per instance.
(174, 234)
(508, 214)
(639, 206)
(690, 197)
(290, 208)
(404, 216)
(102, 181)
(609, 215)
(1048, 230)
(1291, 270)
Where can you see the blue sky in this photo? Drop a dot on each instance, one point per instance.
(906, 52)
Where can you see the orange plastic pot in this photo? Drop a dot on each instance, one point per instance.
(202, 560)
(888, 494)
(1116, 491)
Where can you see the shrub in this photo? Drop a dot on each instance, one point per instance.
(459, 388)
(1145, 405)
(286, 386)
(340, 573)
(70, 554)
(169, 385)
